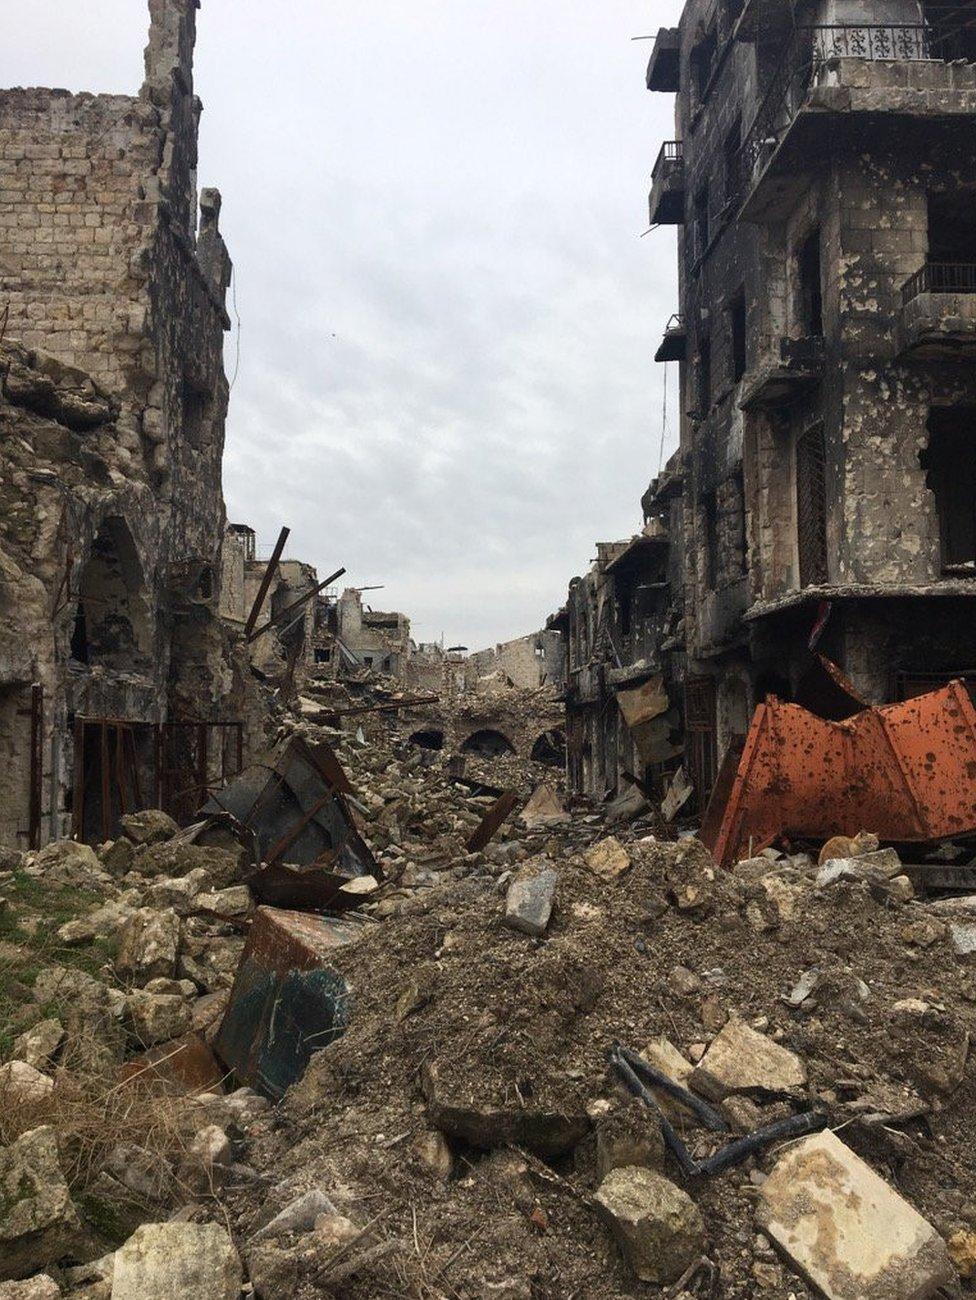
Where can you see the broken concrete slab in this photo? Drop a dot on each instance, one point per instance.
(846, 1230)
(177, 1261)
(530, 898)
(742, 1060)
(657, 1225)
(608, 858)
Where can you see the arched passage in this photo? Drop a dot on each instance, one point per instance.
(488, 743)
(550, 748)
(431, 739)
(111, 626)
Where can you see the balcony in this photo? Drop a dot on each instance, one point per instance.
(839, 79)
(938, 315)
(664, 69)
(800, 365)
(675, 341)
(667, 197)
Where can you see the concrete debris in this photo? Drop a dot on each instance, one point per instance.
(608, 859)
(531, 897)
(40, 1287)
(742, 1060)
(545, 808)
(846, 1230)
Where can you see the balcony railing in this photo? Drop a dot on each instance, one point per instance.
(941, 277)
(806, 51)
(670, 159)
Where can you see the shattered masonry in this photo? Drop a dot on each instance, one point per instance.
(823, 496)
(112, 283)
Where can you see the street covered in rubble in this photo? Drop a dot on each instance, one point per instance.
(633, 956)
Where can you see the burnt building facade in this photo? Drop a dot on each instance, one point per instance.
(823, 499)
(112, 407)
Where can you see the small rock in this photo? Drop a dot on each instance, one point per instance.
(41, 1287)
(657, 1226)
(530, 898)
(742, 1060)
(233, 901)
(148, 1174)
(333, 1231)
(38, 1045)
(298, 1216)
(684, 982)
(151, 826)
(962, 936)
(962, 1248)
(433, 1151)
(209, 1156)
(901, 889)
(67, 863)
(157, 1017)
(608, 858)
(177, 1261)
(116, 856)
(20, 1082)
(846, 1230)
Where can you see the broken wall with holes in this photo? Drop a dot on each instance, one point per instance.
(528, 661)
(113, 402)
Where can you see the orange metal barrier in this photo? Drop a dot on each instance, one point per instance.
(905, 771)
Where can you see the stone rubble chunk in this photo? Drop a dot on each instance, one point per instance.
(148, 1174)
(962, 936)
(151, 826)
(41, 1287)
(544, 808)
(530, 898)
(298, 1216)
(657, 1226)
(846, 1230)
(608, 858)
(209, 1156)
(233, 901)
(742, 1060)
(20, 1082)
(177, 1261)
(97, 924)
(157, 1017)
(148, 945)
(39, 1044)
(66, 863)
(662, 1054)
(38, 1220)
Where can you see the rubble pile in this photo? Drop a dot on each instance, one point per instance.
(581, 1061)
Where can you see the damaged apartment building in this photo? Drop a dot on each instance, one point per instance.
(822, 502)
(113, 663)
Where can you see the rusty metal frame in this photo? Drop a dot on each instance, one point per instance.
(296, 604)
(266, 581)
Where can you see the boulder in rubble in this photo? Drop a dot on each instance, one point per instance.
(65, 863)
(608, 858)
(742, 1060)
(628, 1137)
(169, 859)
(157, 1017)
(192, 1261)
(20, 1082)
(846, 1230)
(41, 1287)
(488, 1125)
(97, 924)
(657, 1226)
(39, 1044)
(148, 945)
(298, 1215)
(38, 1220)
(147, 1174)
(530, 898)
(209, 1156)
(91, 1013)
(236, 900)
(151, 826)
(178, 892)
(116, 856)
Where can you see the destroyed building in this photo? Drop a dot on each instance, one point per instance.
(822, 182)
(112, 284)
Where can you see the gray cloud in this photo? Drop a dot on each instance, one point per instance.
(448, 317)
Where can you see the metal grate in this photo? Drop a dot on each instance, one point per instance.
(701, 732)
(941, 277)
(811, 506)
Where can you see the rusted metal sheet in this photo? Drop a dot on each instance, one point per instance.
(185, 1065)
(492, 821)
(298, 813)
(906, 771)
(288, 1001)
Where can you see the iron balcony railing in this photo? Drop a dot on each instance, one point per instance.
(670, 159)
(941, 277)
(805, 52)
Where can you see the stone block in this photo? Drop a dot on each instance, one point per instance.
(38, 1220)
(742, 1060)
(657, 1226)
(608, 858)
(148, 945)
(846, 1231)
(530, 898)
(177, 1261)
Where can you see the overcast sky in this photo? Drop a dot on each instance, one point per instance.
(448, 316)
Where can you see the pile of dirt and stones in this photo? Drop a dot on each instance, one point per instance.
(475, 1132)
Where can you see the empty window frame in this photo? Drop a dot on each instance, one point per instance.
(810, 285)
(952, 226)
(737, 335)
(701, 734)
(950, 461)
(811, 506)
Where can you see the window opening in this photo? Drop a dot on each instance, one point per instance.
(811, 506)
(811, 289)
(950, 462)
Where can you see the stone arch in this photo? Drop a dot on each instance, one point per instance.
(428, 739)
(488, 742)
(112, 627)
(550, 748)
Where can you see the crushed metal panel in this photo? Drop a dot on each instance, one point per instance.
(287, 1001)
(492, 821)
(905, 770)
